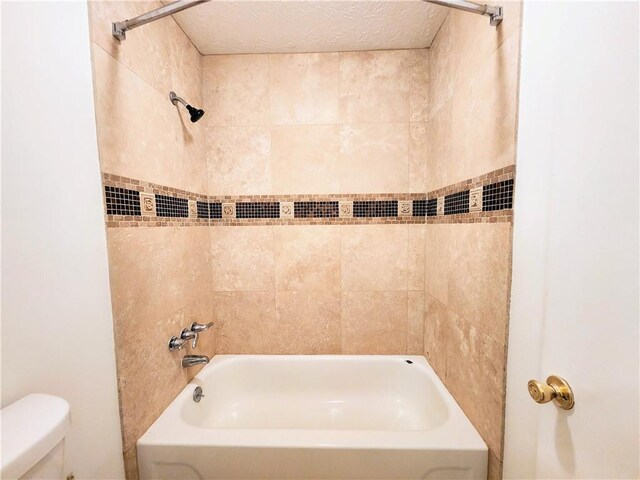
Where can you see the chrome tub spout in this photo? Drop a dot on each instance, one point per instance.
(192, 360)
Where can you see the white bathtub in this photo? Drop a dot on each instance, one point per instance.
(313, 417)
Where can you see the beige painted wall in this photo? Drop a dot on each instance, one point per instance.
(315, 124)
(472, 130)
(159, 277)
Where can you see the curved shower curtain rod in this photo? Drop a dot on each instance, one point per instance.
(119, 29)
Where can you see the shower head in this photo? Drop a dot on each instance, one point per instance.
(195, 113)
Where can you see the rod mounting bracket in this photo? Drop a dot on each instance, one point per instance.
(118, 31)
(496, 18)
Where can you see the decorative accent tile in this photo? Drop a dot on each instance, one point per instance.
(286, 210)
(203, 209)
(487, 198)
(122, 201)
(475, 199)
(215, 210)
(208, 210)
(228, 210)
(497, 196)
(167, 206)
(502, 174)
(258, 210)
(346, 209)
(474, 217)
(316, 209)
(405, 208)
(456, 203)
(148, 204)
(193, 209)
(432, 207)
(382, 208)
(419, 208)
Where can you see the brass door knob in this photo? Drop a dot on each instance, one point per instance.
(556, 389)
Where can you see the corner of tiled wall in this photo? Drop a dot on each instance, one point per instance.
(158, 286)
(471, 129)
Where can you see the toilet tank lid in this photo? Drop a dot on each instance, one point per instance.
(31, 428)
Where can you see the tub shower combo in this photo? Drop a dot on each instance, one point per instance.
(308, 417)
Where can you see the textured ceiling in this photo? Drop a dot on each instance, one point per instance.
(283, 26)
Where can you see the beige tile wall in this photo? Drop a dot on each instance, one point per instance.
(357, 122)
(312, 289)
(140, 133)
(317, 123)
(471, 130)
(473, 89)
(160, 277)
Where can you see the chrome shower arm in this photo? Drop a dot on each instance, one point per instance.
(119, 29)
(175, 98)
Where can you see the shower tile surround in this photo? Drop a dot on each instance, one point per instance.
(338, 163)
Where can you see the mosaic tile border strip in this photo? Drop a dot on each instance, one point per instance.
(502, 174)
(132, 203)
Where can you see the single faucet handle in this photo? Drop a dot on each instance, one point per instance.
(199, 327)
(176, 343)
(187, 334)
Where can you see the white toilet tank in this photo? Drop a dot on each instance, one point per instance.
(33, 431)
